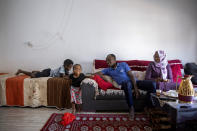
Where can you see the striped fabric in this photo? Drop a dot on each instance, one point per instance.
(3, 78)
(58, 92)
(14, 90)
(24, 91)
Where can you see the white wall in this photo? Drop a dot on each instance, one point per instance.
(87, 29)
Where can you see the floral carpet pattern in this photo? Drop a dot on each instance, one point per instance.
(99, 122)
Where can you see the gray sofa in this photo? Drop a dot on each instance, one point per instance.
(111, 100)
(93, 101)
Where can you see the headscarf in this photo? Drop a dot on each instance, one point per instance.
(162, 64)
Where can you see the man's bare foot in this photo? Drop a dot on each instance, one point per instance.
(131, 113)
(18, 72)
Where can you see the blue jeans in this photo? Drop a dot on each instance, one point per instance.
(127, 87)
(147, 85)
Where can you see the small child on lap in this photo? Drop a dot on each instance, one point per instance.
(76, 78)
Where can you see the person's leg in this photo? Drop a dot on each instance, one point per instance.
(73, 108)
(149, 86)
(43, 73)
(78, 95)
(78, 107)
(127, 87)
(25, 72)
(73, 99)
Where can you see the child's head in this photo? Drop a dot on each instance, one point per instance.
(68, 64)
(77, 69)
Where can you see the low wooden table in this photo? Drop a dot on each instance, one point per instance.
(178, 112)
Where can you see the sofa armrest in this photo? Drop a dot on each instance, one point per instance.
(88, 92)
(88, 97)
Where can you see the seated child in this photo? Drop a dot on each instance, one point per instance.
(59, 72)
(76, 78)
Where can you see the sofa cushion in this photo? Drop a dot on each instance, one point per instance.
(140, 75)
(110, 80)
(139, 67)
(101, 83)
(175, 62)
(176, 71)
(112, 94)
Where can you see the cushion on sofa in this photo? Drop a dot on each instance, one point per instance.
(139, 67)
(110, 80)
(176, 71)
(104, 85)
(140, 75)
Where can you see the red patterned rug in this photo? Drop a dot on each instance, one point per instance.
(99, 122)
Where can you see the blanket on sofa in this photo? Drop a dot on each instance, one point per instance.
(25, 91)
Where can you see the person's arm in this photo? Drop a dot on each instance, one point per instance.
(89, 76)
(130, 74)
(98, 73)
(102, 73)
(149, 73)
(63, 72)
(82, 76)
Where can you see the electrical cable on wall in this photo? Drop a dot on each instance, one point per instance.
(60, 31)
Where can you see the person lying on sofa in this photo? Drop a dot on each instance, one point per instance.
(160, 72)
(59, 72)
(121, 73)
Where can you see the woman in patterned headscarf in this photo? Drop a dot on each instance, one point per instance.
(160, 71)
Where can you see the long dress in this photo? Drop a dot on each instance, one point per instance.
(154, 72)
